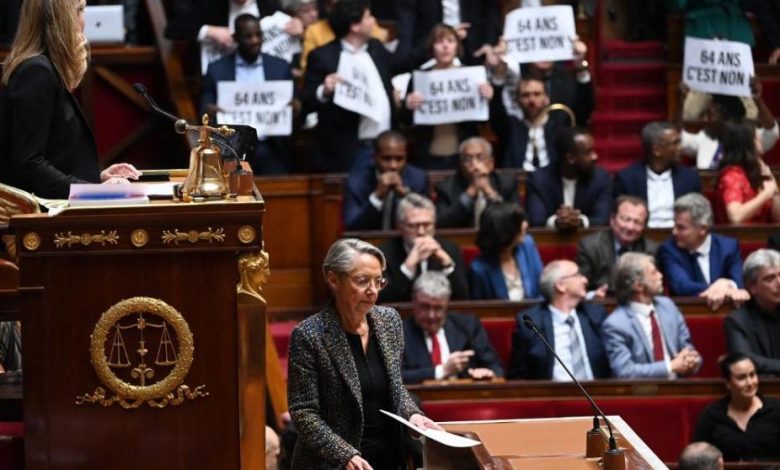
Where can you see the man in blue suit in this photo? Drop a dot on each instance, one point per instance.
(372, 192)
(573, 192)
(439, 344)
(571, 326)
(249, 65)
(659, 179)
(697, 262)
(646, 335)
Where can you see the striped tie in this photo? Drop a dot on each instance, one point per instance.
(577, 359)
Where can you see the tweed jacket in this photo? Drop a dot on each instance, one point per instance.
(324, 390)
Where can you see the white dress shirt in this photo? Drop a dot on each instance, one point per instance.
(249, 73)
(704, 258)
(536, 135)
(562, 342)
(660, 202)
(643, 315)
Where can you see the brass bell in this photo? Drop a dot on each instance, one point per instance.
(205, 180)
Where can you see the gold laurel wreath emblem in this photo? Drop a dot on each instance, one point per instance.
(168, 391)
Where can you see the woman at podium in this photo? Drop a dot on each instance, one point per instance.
(47, 143)
(344, 366)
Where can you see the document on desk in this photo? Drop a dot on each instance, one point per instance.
(442, 437)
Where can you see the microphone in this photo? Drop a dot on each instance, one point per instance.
(529, 323)
(140, 88)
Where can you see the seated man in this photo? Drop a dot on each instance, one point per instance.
(461, 198)
(416, 250)
(249, 65)
(571, 326)
(659, 179)
(572, 193)
(700, 456)
(597, 252)
(754, 328)
(439, 344)
(372, 192)
(698, 262)
(646, 335)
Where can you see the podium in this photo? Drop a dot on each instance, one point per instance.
(533, 444)
(144, 336)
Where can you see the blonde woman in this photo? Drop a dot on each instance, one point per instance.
(47, 143)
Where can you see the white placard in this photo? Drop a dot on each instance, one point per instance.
(275, 41)
(210, 52)
(540, 34)
(266, 106)
(723, 67)
(451, 95)
(358, 91)
(401, 84)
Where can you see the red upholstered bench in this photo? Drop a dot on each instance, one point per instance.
(745, 248)
(500, 332)
(710, 340)
(11, 445)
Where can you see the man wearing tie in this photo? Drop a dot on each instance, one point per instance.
(697, 262)
(646, 335)
(571, 326)
(439, 344)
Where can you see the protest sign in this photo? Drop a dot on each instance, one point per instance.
(276, 42)
(266, 106)
(450, 96)
(722, 67)
(540, 34)
(359, 90)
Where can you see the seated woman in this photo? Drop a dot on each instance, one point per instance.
(746, 191)
(437, 146)
(509, 265)
(743, 425)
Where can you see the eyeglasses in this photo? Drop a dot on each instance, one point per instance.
(577, 274)
(362, 282)
(418, 225)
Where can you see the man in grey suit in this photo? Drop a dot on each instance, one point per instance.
(597, 253)
(646, 335)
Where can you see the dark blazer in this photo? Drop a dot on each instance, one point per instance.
(633, 180)
(486, 280)
(187, 16)
(513, 132)
(544, 194)
(323, 388)
(359, 213)
(399, 289)
(774, 241)
(562, 87)
(679, 269)
(746, 334)
(463, 332)
(596, 255)
(47, 141)
(530, 358)
(416, 18)
(450, 210)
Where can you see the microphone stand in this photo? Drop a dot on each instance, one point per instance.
(614, 458)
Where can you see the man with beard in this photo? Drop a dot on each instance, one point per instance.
(574, 192)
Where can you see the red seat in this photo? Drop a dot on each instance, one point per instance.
(11, 445)
(500, 332)
(710, 340)
(552, 253)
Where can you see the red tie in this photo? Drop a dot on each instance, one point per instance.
(655, 332)
(435, 351)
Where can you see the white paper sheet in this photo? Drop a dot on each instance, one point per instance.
(442, 437)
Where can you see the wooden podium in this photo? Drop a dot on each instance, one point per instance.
(144, 332)
(534, 444)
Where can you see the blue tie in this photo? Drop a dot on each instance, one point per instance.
(698, 275)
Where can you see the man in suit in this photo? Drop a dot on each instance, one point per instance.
(416, 250)
(754, 328)
(439, 344)
(461, 198)
(372, 192)
(477, 22)
(573, 193)
(659, 175)
(249, 65)
(697, 262)
(571, 326)
(597, 252)
(646, 335)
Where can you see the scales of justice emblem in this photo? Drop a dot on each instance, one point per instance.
(149, 355)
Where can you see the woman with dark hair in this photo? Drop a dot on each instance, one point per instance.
(744, 425)
(509, 264)
(437, 146)
(746, 190)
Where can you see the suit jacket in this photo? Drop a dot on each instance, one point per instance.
(399, 289)
(544, 194)
(530, 358)
(774, 241)
(630, 353)
(514, 133)
(486, 280)
(416, 18)
(633, 180)
(463, 331)
(189, 15)
(359, 213)
(450, 210)
(323, 389)
(679, 268)
(746, 334)
(596, 256)
(47, 141)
